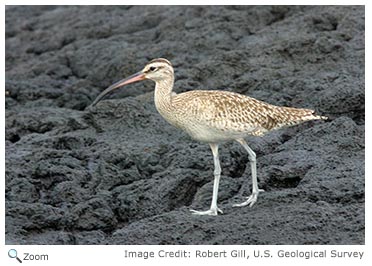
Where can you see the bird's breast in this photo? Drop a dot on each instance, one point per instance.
(210, 134)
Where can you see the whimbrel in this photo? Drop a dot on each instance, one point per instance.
(214, 117)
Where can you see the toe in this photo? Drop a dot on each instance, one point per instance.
(251, 200)
(241, 204)
(209, 212)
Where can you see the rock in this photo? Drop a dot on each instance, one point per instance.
(117, 173)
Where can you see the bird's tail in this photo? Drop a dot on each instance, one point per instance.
(293, 116)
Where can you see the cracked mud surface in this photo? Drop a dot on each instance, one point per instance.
(119, 174)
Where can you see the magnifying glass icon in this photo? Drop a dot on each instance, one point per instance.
(12, 253)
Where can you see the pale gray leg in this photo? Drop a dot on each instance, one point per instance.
(217, 174)
(255, 190)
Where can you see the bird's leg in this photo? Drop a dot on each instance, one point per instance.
(255, 190)
(217, 174)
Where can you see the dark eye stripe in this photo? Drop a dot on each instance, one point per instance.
(153, 69)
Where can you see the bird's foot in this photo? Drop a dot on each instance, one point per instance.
(251, 200)
(209, 212)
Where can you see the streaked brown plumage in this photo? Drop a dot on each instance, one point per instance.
(215, 117)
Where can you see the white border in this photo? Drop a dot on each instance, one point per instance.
(190, 2)
(114, 255)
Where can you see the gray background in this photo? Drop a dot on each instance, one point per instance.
(119, 174)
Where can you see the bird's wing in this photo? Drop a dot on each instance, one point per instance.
(229, 111)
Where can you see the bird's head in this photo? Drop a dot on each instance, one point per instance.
(156, 70)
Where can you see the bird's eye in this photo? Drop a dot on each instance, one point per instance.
(152, 68)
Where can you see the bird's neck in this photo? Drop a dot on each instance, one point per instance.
(163, 95)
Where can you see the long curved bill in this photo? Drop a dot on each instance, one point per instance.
(134, 78)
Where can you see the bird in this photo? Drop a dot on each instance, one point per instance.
(214, 117)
